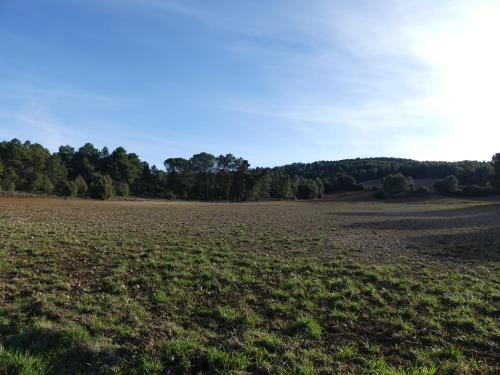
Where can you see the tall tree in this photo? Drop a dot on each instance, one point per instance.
(496, 171)
(178, 178)
(122, 167)
(57, 172)
(85, 161)
(240, 179)
(203, 165)
(226, 165)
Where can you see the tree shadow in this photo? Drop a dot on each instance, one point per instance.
(445, 212)
(480, 244)
(413, 220)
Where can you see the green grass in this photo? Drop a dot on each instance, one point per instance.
(14, 362)
(287, 288)
(307, 326)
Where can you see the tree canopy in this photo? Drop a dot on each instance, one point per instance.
(89, 171)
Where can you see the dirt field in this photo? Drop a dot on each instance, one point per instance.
(339, 286)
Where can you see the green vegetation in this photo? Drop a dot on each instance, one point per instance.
(496, 169)
(468, 172)
(397, 183)
(102, 187)
(95, 287)
(100, 174)
(447, 186)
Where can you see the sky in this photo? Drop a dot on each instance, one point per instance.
(273, 81)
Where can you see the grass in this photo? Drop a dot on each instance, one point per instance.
(290, 288)
(307, 326)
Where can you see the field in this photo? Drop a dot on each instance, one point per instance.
(145, 287)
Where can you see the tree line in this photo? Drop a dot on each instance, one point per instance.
(89, 171)
(468, 172)
(102, 174)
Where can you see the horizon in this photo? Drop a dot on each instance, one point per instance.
(276, 83)
(161, 165)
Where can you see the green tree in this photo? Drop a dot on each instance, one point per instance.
(397, 183)
(203, 165)
(178, 176)
(85, 161)
(42, 184)
(496, 172)
(81, 186)
(70, 189)
(447, 186)
(10, 179)
(121, 188)
(240, 181)
(1, 173)
(281, 186)
(122, 167)
(226, 166)
(308, 189)
(57, 172)
(101, 187)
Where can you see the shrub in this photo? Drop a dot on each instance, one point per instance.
(102, 187)
(10, 179)
(121, 189)
(397, 183)
(347, 183)
(42, 183)
(309, 189)
(81, 186)
(447, 186)
(70, 189)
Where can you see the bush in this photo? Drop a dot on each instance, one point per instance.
(10, 179)
(347, 183)
(397, 183)
(70, 189)
(121, 189)
(41, 184)
(447, 186)
(81, 186)
(309, 189)
(102, 187)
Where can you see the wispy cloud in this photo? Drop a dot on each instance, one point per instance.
(367, 78)
(33, 123)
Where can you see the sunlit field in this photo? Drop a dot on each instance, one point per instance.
(146, 287)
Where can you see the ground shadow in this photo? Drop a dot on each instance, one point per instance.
(480, 244)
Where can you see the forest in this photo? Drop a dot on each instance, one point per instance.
(88, 171)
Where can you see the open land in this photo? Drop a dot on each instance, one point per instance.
(335, 286)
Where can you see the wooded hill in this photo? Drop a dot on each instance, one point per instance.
(88, 171)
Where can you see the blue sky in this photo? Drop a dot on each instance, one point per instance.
(273, 81)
